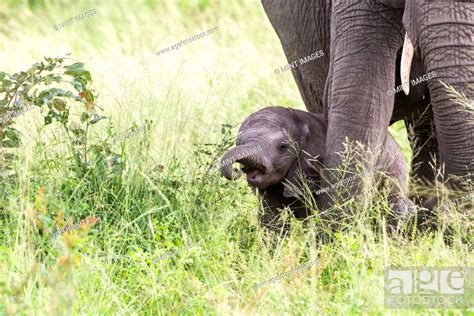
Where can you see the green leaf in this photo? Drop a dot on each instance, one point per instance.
(84, 117)
(75, 69)
(59, 104)
(78, 72)
(87, 75)
(89, 96)
(10, 144)
(9, 156)
(12, 138)
(6, 83)
(48, 79)
(78, 86)
(77, 65)
(2, 75)
(3, 102)
(78, 132)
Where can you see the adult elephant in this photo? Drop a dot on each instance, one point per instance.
(363, 40)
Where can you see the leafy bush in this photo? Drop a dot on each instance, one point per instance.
(54, 86)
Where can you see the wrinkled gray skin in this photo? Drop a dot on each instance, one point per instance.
(292, 143)
(362, 41)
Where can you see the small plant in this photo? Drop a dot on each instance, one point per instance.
(54, 86)
(209, 154)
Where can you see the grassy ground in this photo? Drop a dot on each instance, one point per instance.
(172, 237)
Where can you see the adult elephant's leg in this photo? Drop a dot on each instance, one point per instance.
(303, 29)
(444, 34)
(424, 145)
(365, 37)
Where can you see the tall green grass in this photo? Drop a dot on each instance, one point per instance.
(175, 238)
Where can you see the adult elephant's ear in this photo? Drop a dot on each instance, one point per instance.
(306, 168)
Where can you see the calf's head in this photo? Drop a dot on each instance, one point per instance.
(273, 144)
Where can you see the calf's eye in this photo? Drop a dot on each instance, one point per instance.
(282, 147)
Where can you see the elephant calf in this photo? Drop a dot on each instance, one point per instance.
(290, 147)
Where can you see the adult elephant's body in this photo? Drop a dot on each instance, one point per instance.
(303, 28)
(365, 37)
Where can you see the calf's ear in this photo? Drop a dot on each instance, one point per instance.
(303, 172)
(305, 169)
